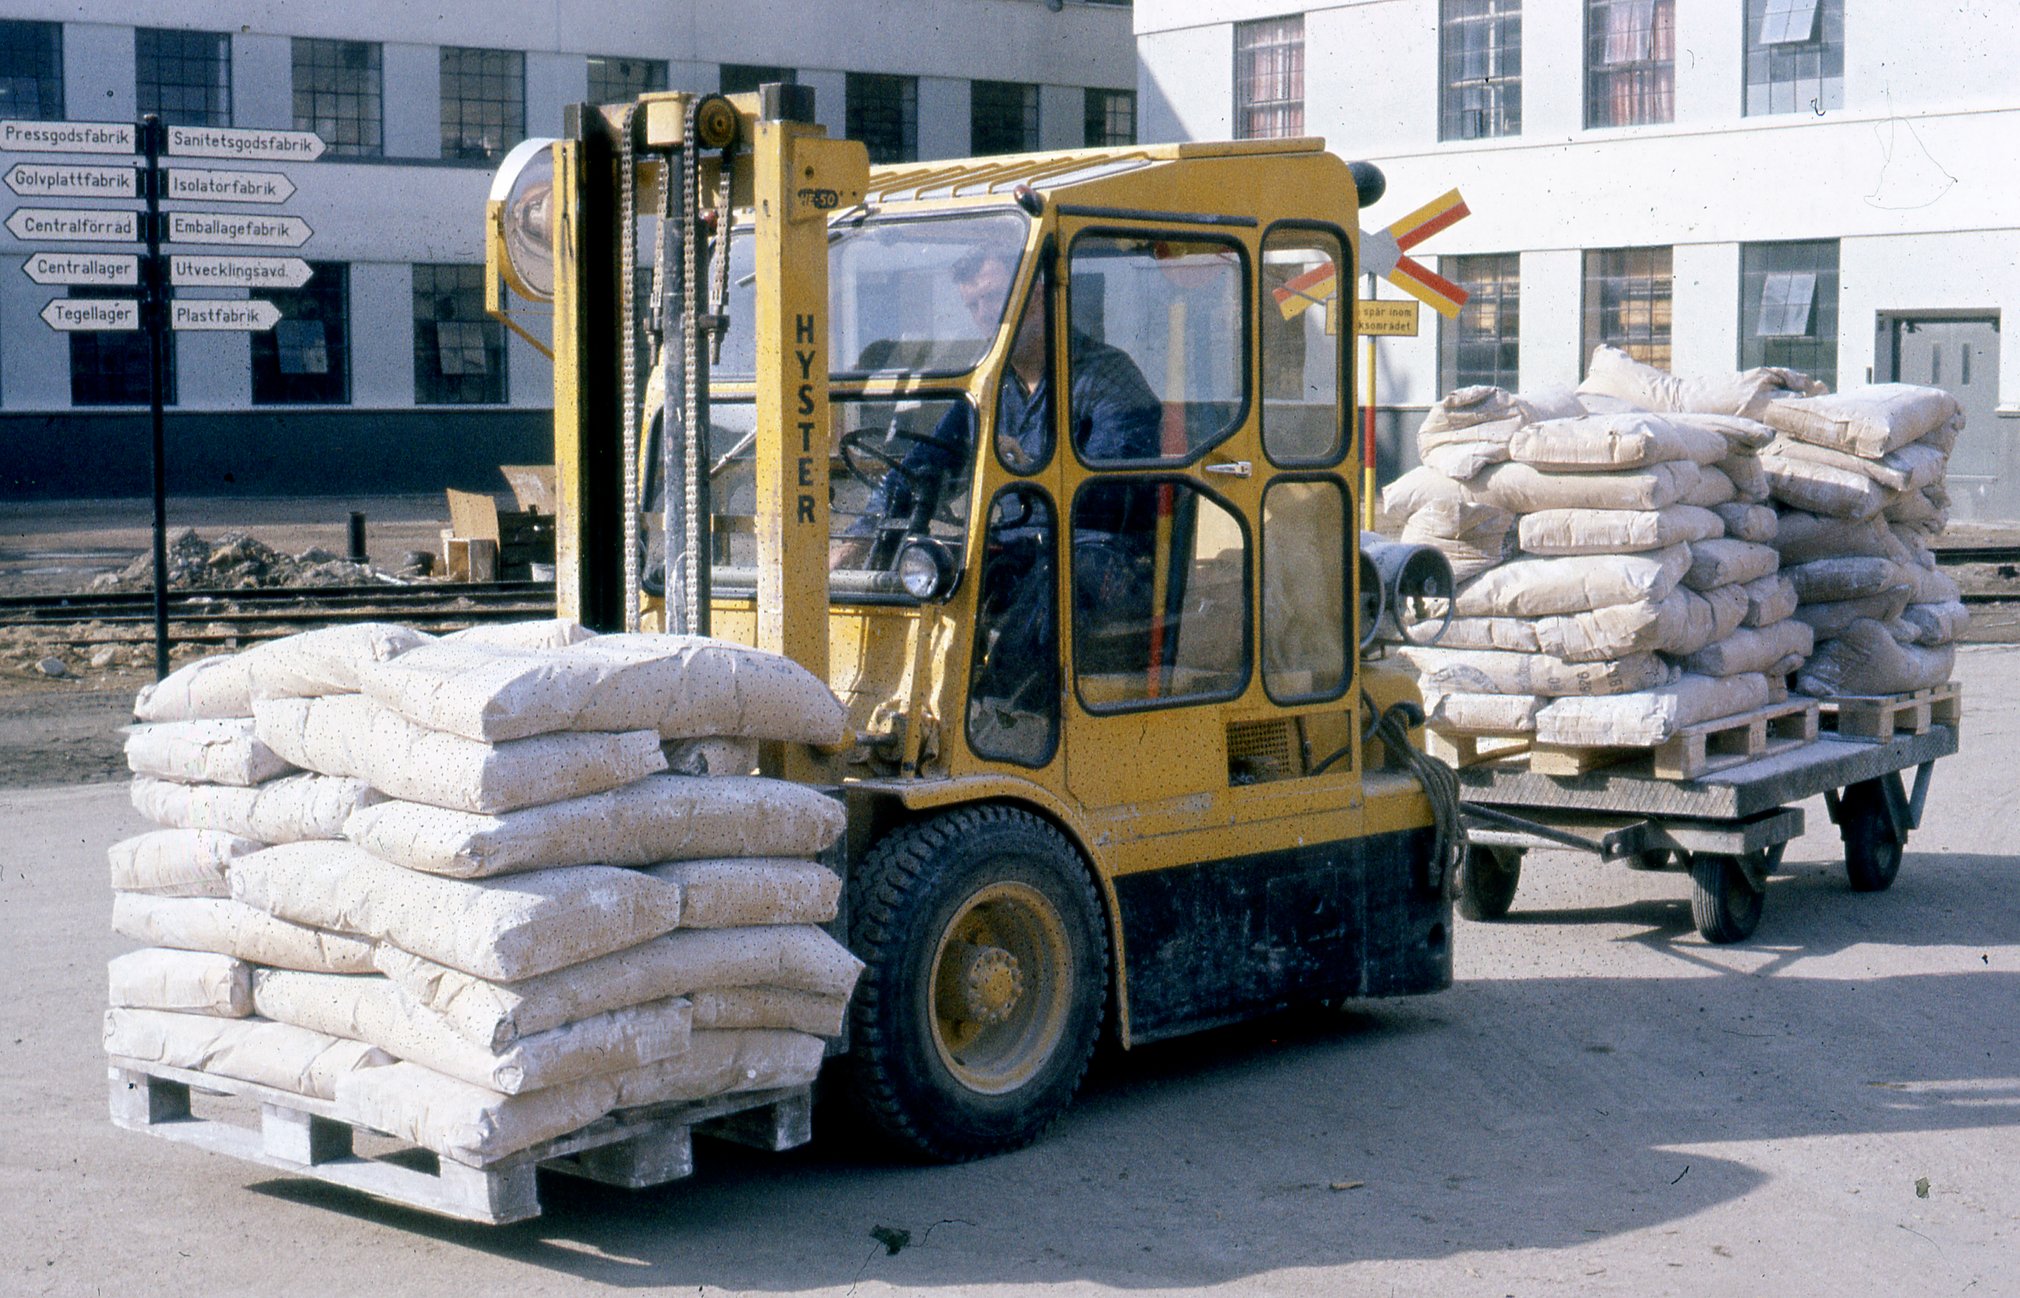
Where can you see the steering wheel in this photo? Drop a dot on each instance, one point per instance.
(859, 443)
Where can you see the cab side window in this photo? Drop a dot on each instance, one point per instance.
(1304, 581)
(1304, 356)
(1013, 693)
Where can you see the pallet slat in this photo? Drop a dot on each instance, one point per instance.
(1692, 751)
(1879, 717)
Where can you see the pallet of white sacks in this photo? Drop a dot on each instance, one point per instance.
(1880, 717)
(1692, 751)
(304, 1136)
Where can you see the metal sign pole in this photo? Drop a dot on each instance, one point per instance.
(1368, 423)
(154, 319)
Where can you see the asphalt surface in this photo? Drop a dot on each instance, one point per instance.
(1603, 1104)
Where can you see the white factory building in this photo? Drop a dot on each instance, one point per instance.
(1828, 184)
(383, 373)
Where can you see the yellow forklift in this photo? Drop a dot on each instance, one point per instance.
(1045, 464)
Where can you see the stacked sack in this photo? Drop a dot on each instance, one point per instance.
(219, 795)
(560, 927)
(1623, 609)
(1859, 476)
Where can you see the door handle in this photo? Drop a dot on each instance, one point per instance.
(1231, 468)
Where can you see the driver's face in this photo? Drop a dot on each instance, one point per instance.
(983, 292)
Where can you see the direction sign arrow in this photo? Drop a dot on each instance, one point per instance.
(75, 225)
(185, 270)
(19, 136)
(91, 314)
(231, 227)
(83, 268)
(61, 180)
(230, 186)
(243, 317)
(238, 142)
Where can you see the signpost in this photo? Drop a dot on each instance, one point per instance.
(154, 311)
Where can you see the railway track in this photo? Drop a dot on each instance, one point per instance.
(1951, 556)
(226, 616)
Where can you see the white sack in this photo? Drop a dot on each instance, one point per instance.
(1541, 587)
(1464, 461)
(186, 982)
(1553, 532)
(1867, 421)
(1522, 489)
(1802, 536)
(177, 862)
(1822, 581)
(326, 661)
(1744, 522)
(1823, 489)
(1865, 660)
(373, 1010)
(1937, 624)
(1749, 478)
(1481, 714)
(353, 735)
(1723, 562)
(1834, 617)
(1910, 468)
(209, 688)
(1930, 505)
(1711, 490)
(741, 891)
(1613, 372)
(659, 818)
(494, 1012)
(1754, 649)
(203, 752)
(770, 1007)
(249, 1050)
(1486, 671)
(698, 757)
(1743, 436)
(546, 633)
(472, 1124)
(230, 928)
(1421, 488)
(1650, 717)
(1473, 537)
(1485, 413)
(685, 687)
(1681, 622)
(1600, 443)
(514, 927)
(291, 809)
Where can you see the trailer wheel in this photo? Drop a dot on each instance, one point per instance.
(1872, 848)
(1724, 904)
(986, 974)
(1486, 883)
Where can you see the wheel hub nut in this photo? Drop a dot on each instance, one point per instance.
(991, 984)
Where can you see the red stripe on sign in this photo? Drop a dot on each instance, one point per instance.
(1445, 220)
(1419, 280)
(1317, 274)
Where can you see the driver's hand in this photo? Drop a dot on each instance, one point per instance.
(848, 552)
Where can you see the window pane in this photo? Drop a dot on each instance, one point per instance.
(459, 351)
(1627, 302)
(305, 359)
(1013, 700)
(1269, 78)
(883, 112)
(1160, 595)
(31, 70)
(483, 102)
(1481, 49)
(184, 76)
(745, 78)
(1003, 117)
(1305, 590)
(1483, 345)
(1630, 62)
(1110, 118)
(1303, 350)
(111, 368)
(617, 81)
(337, 94)
(1795, 56)
(1789, 307)
(1157, 346)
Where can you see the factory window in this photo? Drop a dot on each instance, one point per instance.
(1630, 62)
(305, 359)
(1269, 78)
(1789, 307)
(745, 78)
(1627, 292)
(184, 76)
(619, 81)
(1002, 118)
(339, 95)
(883, 112)
(1795, 56)
(1110, 118)
(1481, 345)
(110, 369)
(483, 102)
(31, 70)
(1480, 48)
(459, 351)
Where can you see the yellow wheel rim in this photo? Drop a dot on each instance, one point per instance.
(1002, 983)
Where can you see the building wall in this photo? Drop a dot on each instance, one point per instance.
(1917, 175)
(383, 215)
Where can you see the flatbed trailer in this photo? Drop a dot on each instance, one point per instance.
(1728, 827)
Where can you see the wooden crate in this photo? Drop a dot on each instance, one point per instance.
(634, 1148)
(1692, 751)
(1879, 718)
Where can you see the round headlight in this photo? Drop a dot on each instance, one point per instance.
(925, 569)
(524, 189)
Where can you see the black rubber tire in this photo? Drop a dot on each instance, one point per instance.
(1872, 850)
(903, 898)
(1485, 887)
(1724, 904)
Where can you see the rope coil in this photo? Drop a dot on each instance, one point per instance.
(1440, 784)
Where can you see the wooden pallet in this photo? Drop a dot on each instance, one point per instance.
(1691, 752)
(1879, 718)
(634, 1148)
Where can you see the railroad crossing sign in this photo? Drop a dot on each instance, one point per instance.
(74, 225)
(83, 267)
(253, 316)
(63, 180)
(229, 186)
(91, 314)
(236, 228)
(1383, 253)
(240, 142)
(18, 136)
(188, 271)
